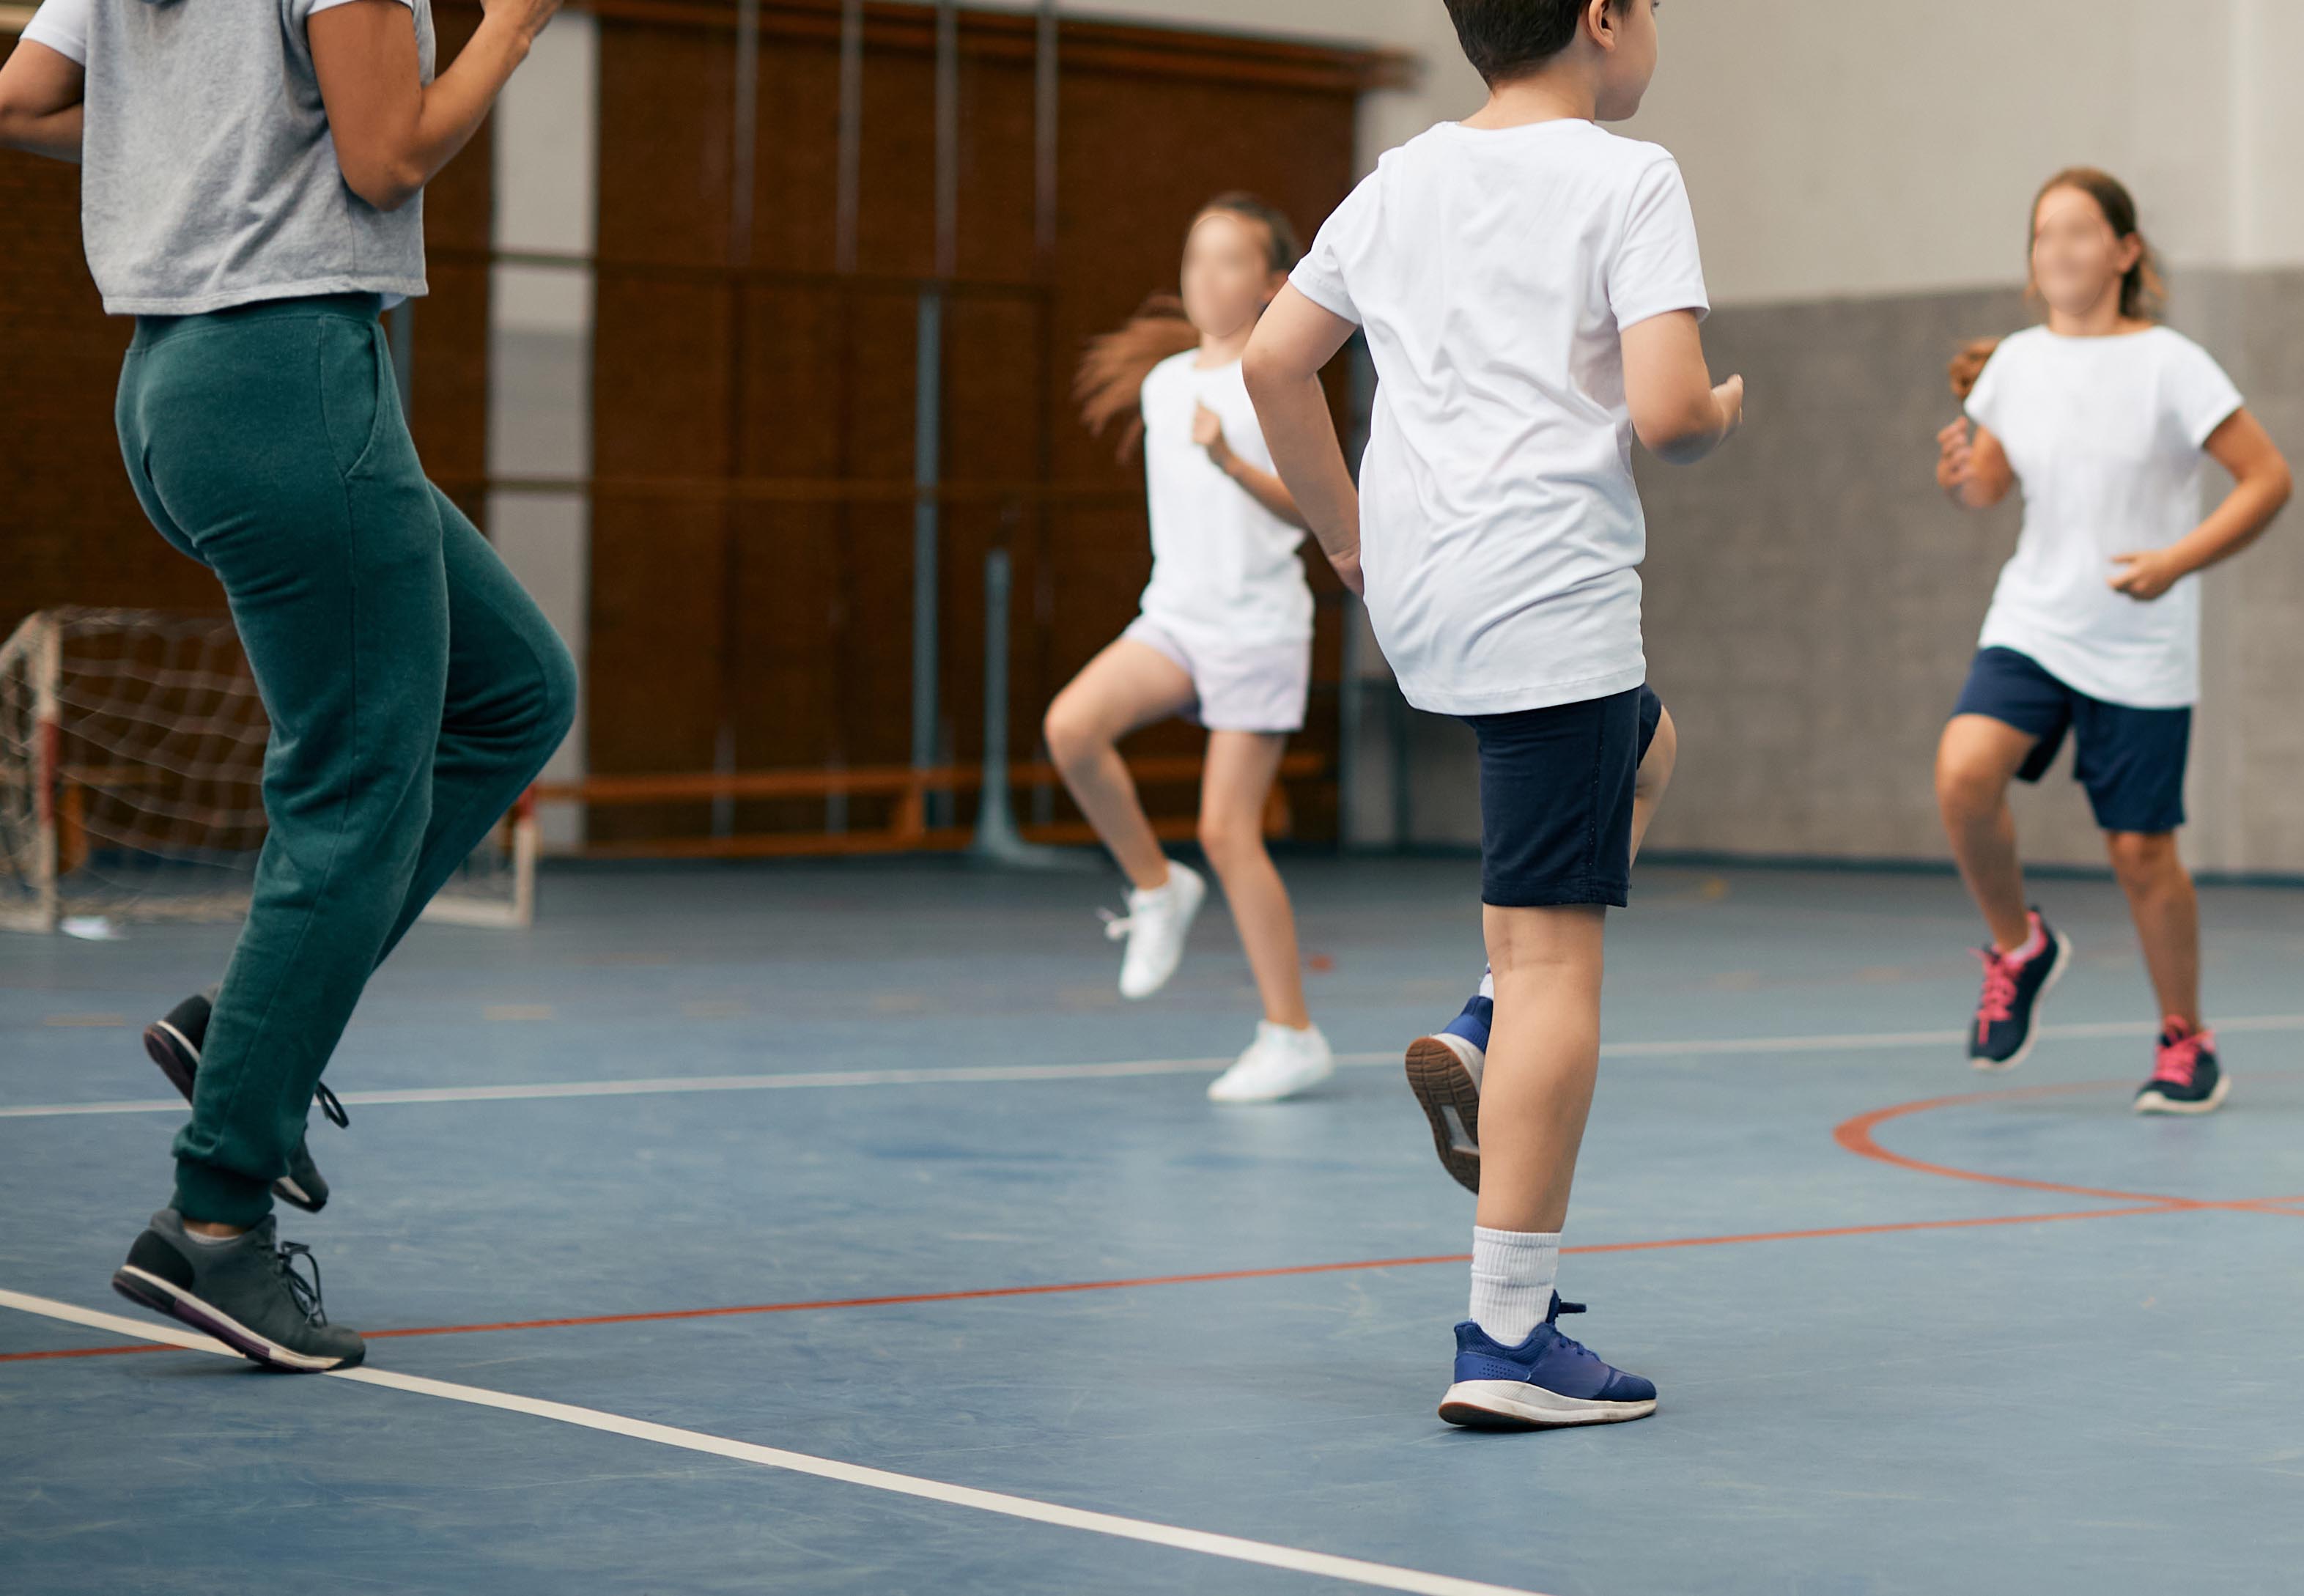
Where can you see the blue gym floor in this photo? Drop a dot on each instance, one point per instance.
(2052, 1350)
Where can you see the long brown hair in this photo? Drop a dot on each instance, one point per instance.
(1114, 365)
(2143, 293)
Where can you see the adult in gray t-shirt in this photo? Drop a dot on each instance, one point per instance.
(250, 192)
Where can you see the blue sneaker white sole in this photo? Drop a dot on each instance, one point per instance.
(1516, 1405)
(2032, 1039)
(1443, 1071)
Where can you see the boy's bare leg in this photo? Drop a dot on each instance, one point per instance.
(1655, 777)
(1543, 1059)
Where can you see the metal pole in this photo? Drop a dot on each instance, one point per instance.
(849, 166)
(927, 429)
(744, 145)
(998, 839)
(927, 446)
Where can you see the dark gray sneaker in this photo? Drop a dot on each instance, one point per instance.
(173, 1043)
(245, 1292)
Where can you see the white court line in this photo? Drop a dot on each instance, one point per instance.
(1382, 1576)
(668, 1085)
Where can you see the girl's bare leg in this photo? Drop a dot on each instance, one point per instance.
(1128, 686)
(1242, 766)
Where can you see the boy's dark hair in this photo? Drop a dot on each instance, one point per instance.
(1506, 39)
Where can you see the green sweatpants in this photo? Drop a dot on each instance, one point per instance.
(414, 689)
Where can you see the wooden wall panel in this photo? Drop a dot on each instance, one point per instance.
(70, 531)
(802, 615)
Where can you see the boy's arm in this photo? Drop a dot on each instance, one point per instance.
(1282, 368)
(40, 92)
(1676, 410)
(2262, 484)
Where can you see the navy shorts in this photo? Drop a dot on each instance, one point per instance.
(2130, 760)
(1556, 799)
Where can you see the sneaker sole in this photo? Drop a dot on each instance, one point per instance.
(1296, 1088)
(173, 1052)
(2055, 974)
(1512, 1405)
(180, 1062)
(2153, 1102)
(148, 1291)
(1451, 1100)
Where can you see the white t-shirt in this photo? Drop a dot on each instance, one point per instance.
(62, 25)
(2106, 437)
(1225, 569)
(1495, 272)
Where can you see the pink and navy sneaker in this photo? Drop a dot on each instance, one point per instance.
(2187, 1078)
(2013, 985)
(1544, 1383)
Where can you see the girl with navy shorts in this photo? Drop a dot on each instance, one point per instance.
(2104, 420)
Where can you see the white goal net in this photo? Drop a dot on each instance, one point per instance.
(132, 768)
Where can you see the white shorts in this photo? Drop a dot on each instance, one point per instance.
(1250, 687)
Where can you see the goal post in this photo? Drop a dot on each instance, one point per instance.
(131, 769)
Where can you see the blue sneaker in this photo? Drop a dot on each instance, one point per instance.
(1546, 1382)
(1443, 1071)
(2007, 1015)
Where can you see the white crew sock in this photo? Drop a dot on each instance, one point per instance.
(212, 1241)
(1488, 984)
(1512, 1276)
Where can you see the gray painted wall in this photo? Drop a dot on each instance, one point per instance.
(1813, 602)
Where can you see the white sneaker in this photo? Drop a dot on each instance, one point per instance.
(1154, 928)
(1279, 1063)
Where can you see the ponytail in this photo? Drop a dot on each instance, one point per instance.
(1969, 365)
(1110, 381)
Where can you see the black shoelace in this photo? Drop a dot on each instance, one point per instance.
(306, 1294)
(330, 1105)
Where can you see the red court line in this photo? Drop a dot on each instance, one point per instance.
(987, 1293)
(1856, 1136)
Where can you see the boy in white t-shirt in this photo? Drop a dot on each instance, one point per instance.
(1530, 290)
(2105, 418)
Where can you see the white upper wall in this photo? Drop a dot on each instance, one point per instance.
(1885, 148)
(1831, 150)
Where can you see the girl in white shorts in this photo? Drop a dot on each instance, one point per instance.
(1225, 639)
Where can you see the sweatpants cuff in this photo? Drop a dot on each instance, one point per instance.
(220, 1197)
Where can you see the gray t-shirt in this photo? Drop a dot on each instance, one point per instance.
(208, 177)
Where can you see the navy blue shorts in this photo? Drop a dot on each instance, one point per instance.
(1556, 799)
(2130, 760)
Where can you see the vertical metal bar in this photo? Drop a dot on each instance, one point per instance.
(1046, 83)
(927, 470)
(849, 167)
(947, 139)
(995, 822)
(847, 224)
(742, 167)
(927, 433)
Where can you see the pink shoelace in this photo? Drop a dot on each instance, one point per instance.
(2180, 1053)
(1999, 1000)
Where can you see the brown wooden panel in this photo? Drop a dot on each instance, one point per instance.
(70, 531)
(800, 618)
